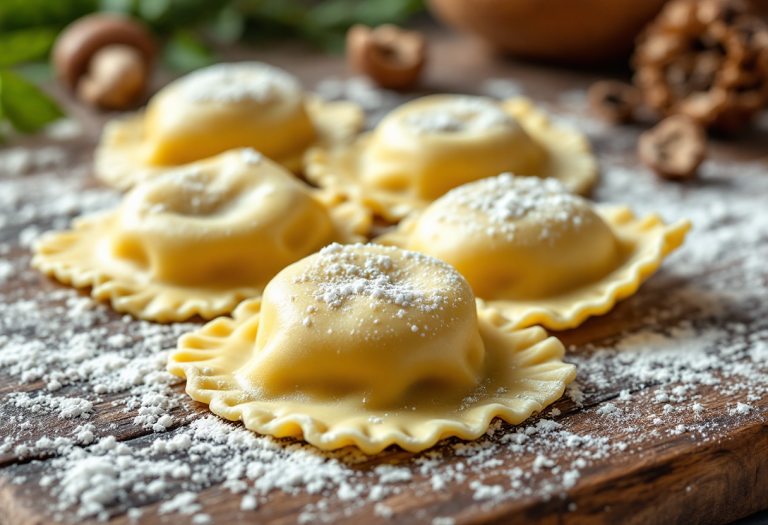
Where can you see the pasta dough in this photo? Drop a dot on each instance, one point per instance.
(538, 253)
(222, 107)
(200, 239)
(370, 346)
(431, 145)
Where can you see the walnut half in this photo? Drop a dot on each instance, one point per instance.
(392, 57)
(674, 148)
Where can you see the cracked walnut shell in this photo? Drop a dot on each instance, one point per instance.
(707, 60)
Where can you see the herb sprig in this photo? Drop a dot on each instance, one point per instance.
(22, 104)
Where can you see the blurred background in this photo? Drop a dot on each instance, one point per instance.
(597, 35)
(189, 27)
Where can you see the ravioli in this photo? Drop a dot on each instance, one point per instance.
(370, 346)
(537, 253)
(199, 239)
(433, 144)
(218, 108)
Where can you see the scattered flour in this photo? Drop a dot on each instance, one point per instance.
(18, 160)
(463, 114)
(235, 82)
(106, 383)
(342, 272)
(502, 88)
(362, 91)
(7, 271)
(498, 202)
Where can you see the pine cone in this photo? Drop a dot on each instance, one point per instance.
(706, 59)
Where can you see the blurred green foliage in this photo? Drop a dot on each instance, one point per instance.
(192, 23)
(322, 23)
(24, 105)
(25, 14)
(25, 45)
(189, 24)
(188, 29)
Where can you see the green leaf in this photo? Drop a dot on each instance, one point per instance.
(117, 6)
(36, 72)
(25, 45)
(21, 14)
(228, 26)
(167, 16)
(185, 52)
(377, 12)
(2, 117)
(153, 10)
(26, 107)
(332, 13)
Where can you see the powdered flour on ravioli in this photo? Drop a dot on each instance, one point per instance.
(219, 108)
(431, 145)
(199, 239)
(370, 346)
(538, 253)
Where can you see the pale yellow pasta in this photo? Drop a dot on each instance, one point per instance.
(433, 144)
(200, 239)
(218, 108)
(538, 253)
(370, 346)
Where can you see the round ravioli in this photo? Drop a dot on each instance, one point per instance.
(199, 239)
(431, 145)
(370, 346)
(218, 108)
(538, 253)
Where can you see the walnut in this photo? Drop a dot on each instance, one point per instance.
(105, 59)
(392, 57)
(614, 101)
(674, 148)
(706, 59)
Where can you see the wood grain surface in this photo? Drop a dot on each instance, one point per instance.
(674, 478)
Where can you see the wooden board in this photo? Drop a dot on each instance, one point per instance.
(640, 473)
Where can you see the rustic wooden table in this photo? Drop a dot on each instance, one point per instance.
(694, 466)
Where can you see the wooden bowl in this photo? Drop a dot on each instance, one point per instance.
(566, 31)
